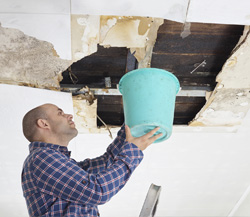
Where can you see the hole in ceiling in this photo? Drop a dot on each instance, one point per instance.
(195, 60)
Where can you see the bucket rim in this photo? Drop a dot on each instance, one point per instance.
(168, 130)
(157, 69)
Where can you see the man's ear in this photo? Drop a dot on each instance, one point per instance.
(42, 123)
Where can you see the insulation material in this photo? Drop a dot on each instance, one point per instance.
(85, 35)
(230, 101)
(25, 60)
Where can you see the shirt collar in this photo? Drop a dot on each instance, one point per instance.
(62, 149)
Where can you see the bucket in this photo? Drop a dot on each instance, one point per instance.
(149, 101)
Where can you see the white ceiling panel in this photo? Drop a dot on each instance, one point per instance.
(53, 28)
(168, 9)
(35, 6)
(224, 12)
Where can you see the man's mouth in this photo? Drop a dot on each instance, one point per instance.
(72, 122)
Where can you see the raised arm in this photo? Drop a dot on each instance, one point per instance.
(96, 165)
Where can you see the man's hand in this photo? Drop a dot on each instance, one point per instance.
(144, 141)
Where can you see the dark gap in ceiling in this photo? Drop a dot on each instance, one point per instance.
(210, 42)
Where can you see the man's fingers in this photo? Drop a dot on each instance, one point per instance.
(152, 132)
(153, 138)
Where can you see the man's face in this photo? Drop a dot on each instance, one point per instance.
(61, 124)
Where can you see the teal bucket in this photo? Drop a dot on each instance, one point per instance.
(149, 101)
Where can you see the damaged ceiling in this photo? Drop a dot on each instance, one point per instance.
(210, 60)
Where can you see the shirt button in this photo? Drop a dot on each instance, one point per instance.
(84, 182)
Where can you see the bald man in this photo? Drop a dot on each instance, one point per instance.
(55, 184)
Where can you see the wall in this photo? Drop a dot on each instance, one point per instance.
(15, 101)
(202, 172)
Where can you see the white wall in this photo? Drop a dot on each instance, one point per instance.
(15, 101)
(201, 174)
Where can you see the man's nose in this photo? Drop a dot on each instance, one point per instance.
(69, 116)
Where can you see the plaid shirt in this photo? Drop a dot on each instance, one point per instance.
(56, 185)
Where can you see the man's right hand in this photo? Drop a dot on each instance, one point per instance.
(144, 141)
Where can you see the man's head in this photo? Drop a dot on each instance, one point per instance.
(48, 123)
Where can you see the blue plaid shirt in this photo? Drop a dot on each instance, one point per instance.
(56, 185)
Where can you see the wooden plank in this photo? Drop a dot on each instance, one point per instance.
(111, 51)
(91, 82)
(95, 73)
(97, 63)
(171, 27)
(131, 62)
(183, 65)
(198, 44)
(185, 109)
(110, 118)
(184, 99)
(182, 120)
(109, 100)
(188, 109)
(208, 82)
(109, 108)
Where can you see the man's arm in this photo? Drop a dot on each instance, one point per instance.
(98, 164)
(61, 177)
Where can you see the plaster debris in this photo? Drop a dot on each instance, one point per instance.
(231, 98)
(27, 61)
(144, 55)
(244, 104)
(227, 107)
(239, 94)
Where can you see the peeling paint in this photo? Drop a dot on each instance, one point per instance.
(85, 115)
(125, 32)
(144, 55)
(85, 35)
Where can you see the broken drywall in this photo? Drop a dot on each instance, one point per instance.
(25, 60)
(230, 101)
(137, 33)
(123, 31)
(144, 54)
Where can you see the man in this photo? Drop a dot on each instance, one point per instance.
(56, 185)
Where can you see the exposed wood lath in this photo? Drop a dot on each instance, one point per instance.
(210, 42)
(92, 70)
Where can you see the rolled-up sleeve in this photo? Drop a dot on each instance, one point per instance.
(62, 177)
